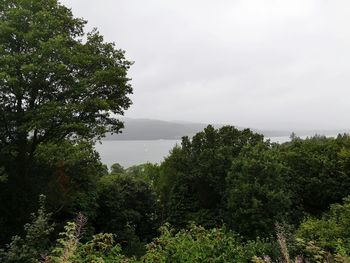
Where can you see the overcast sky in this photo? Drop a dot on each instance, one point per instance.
(254, 63)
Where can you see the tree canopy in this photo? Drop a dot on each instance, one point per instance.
(56, 81)
(59, 86)
(192, 179)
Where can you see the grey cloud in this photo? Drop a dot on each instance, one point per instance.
(257, 63)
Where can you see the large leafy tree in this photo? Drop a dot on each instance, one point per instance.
(192, 180)
(320, 171)
(57, 84)
(258, 194)
(55, 81)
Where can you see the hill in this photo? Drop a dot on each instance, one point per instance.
(148, 129)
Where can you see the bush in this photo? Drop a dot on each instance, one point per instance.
(331, 232)
(197, 244)
(35, 241)
(101, 248)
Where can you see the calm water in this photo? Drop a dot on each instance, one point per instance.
(129, 153)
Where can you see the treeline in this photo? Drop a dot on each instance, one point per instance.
(225, 194)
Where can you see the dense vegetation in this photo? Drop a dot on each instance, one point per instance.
(224, 195)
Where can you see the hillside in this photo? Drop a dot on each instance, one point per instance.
(148, 129)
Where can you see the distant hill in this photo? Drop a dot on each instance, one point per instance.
(147, 129)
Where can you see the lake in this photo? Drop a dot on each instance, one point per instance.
(129, 153)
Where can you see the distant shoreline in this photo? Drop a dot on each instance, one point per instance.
(152, 130)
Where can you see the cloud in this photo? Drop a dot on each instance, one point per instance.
(257, 63)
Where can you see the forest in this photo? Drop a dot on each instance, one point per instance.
(223, 195)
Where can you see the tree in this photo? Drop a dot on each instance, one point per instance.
(127, 207)
(257, 192)
(68, 175)
(192, 180)
(117, 168)
(320, 171)
(56, 83)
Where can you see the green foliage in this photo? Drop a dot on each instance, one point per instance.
(191, 181)
(101, 248)
(258, 195)
(308, 251)
(74, 170)
(127, 207)
(56, 84)
(332, 231)
(34, 243)
(319, 170)
(195, 244)
(67, 246)
(199, 245)
(232, 176)
(148, 172)
(67, 173)
(117, 169)
(3, 176)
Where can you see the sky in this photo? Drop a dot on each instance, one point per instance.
(253, 63)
